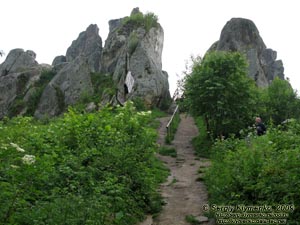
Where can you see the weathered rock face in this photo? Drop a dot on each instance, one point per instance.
(73, 78)
(133, 48)
(65, 88)
(242, 35)
(18, 60)
(89, 45)
(19, 72)
(130, 47)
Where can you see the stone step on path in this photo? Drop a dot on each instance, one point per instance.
(183, 194)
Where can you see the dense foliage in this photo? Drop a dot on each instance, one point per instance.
(94, 168)
(246, 169)
(262, 170)
(278, 102)
(219, 90)
(202, 143)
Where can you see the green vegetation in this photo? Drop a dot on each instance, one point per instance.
(103, 85)
(37, 91)
(133, 42)
(202, 143)
(17, 106)
(279, 102)
(96, 168)
(261, 170)
(139, 103)
(147, 21)
(171, 131)
(192, 220)
(219, 90)
(246, 169)
(167, 151)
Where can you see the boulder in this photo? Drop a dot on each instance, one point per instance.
(59, 60)
(242, 35)
(18, 60)
(18, 74)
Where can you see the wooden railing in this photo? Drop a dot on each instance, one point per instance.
(170, 124)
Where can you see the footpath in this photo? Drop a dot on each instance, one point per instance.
(184, 192)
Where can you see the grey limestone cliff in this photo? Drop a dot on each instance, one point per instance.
(134, 48)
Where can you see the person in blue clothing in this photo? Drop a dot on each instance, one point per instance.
(260, 127)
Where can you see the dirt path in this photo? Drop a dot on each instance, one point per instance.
(182, 193)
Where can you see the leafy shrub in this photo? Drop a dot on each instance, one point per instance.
(279, 102)
(94, 168)
(219, 90)
(139, 103)
(261, 170)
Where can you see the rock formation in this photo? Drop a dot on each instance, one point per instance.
(18, 73)
(73, 78)
(242, 35)
(134, 46)
(18, 60)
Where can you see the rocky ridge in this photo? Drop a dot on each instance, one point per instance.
(132, 47)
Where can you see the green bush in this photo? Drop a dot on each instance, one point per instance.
(261, 170)
(139, 103)
(279, 102)
(94, 168)
(219, 90)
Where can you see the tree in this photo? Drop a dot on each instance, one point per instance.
(281, 101)
(220, 90)
(1, 53)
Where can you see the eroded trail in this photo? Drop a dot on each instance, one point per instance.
(183, 194)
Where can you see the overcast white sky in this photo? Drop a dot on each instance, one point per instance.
(48, 27)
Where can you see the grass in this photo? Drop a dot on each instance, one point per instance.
(192, 220)
(167, 151)
(202, 143)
